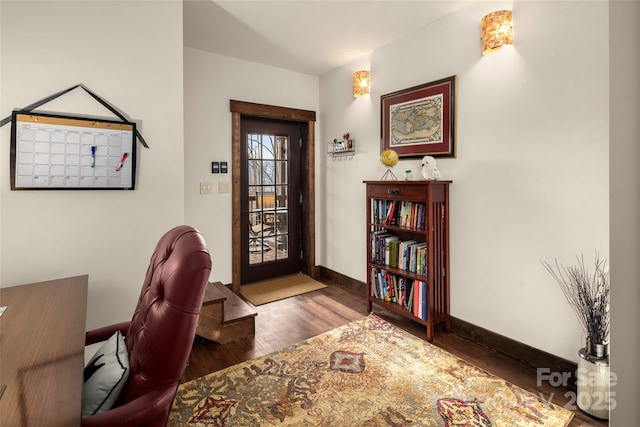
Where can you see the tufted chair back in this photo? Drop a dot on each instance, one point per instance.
(160, 334)
(163, 326)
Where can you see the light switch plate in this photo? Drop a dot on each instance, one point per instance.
(205, 188)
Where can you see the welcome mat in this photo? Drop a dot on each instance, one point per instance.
(365, 373)
(259, 293)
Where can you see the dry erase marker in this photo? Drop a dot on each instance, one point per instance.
(93, 156)
(124, 157)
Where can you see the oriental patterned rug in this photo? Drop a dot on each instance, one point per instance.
(365, 373)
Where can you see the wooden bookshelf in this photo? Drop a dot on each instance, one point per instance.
(408, 248)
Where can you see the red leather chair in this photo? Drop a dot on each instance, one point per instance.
(160, 335)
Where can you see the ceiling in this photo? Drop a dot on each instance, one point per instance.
(307, 36)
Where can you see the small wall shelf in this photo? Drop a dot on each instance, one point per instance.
(341, 149)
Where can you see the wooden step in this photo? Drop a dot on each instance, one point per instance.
(225, 316)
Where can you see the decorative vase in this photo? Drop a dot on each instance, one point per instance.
(593, 380)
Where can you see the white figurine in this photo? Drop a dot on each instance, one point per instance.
(429, 170)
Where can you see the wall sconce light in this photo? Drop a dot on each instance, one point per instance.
(497, 31)
(361, 80)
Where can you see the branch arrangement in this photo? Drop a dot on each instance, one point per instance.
(587, 294)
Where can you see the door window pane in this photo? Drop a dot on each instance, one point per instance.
(254, 147)
(282, 198)
(268, 198)
(281, 148)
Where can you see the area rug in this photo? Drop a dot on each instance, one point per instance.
(266, 291)
(366, 373)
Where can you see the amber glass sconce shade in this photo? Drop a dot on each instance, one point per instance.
(497, 31)
(361, 80)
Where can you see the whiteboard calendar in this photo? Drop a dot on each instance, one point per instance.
(51, 151)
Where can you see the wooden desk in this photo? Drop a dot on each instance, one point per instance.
(42, 336)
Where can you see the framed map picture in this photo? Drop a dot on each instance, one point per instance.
(420, 121)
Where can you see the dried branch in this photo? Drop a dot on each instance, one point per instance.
(587, 294)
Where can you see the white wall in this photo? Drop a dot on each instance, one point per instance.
(530, 181)
(625, 209)
(131, 54)
(210, 82)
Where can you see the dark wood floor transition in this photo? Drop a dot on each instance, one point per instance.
(286, 322)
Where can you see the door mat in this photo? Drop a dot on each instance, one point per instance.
(266, 291)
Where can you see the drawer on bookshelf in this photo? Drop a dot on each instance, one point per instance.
(398, 191)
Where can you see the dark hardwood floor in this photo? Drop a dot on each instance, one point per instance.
(286, 322)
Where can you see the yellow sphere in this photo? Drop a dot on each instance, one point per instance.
(389, 158)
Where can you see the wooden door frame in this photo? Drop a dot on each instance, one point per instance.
(307, 165)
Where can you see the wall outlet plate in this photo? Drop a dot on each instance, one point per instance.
(224, 187)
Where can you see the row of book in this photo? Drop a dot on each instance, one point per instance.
(407, 293)
(399, 213)
(388, 249)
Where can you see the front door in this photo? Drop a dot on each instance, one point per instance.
(270, 198)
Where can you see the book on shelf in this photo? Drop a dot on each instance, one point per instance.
(416, 257)
(423, 289)
(406, 214)
(389, 287)
(376, 278)
(385, 287)
(409, 300)
(376, 236)
(375, 285)
(421, 260)
(420, 300)
(399, 213)
(416, 298)
(403, 253)
(390, 219)
(389, 249)
(407, 293)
